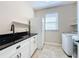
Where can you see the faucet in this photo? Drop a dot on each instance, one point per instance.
(12, 28)
(29, 28)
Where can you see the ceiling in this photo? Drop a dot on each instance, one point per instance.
(37, 5)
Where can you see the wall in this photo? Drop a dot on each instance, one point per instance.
(11, 10)
(67, 14)
(78, 16)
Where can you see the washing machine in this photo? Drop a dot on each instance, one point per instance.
(67, 43)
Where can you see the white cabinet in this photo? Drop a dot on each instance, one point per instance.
(23, 49)
(19, 50)
(7, 52)
(33, 44)
(14, 55)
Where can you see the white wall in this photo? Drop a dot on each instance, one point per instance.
(10, 10)
(78, 16)
(67, 14)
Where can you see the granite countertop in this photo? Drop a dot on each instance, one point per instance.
(16, 41)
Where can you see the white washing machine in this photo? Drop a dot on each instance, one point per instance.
(67, 43)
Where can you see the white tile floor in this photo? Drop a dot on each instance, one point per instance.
(50, 51)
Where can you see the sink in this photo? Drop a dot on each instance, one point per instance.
(5, 40)
(8, 38)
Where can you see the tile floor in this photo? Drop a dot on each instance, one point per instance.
(50, 51)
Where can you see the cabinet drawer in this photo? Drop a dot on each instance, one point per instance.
(14, 55)
(8, 50)
(5, 53)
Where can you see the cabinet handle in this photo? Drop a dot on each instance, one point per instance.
(17, 56)
(18, 47)
(20, 55)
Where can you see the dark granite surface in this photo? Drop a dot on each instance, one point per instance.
(7, 40)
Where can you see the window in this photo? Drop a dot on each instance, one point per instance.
(51, 21)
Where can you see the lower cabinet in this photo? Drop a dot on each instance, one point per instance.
(23, 49)
(33, 44)
(8, 52)
(14, 55)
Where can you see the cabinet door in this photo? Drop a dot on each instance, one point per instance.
(7, 55)
(33, 44)
(14, 55)
(36, 39)
(24, 51)
(7, 52)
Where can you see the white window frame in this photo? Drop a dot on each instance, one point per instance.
(52, 22)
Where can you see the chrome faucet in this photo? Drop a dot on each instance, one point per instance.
(12, 28)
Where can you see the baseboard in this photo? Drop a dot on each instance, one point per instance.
(53, 43)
